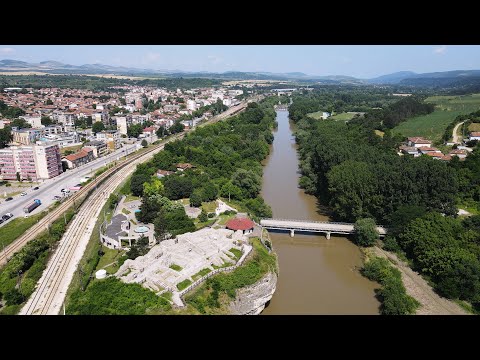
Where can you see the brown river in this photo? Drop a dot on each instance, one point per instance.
(317, 276)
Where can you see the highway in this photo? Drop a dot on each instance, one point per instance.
(51, 289)
(51, 187)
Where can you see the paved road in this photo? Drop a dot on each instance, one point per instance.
(454, 134)
(51, 187)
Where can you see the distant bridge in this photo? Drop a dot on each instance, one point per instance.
(281, 107)
(325, 227)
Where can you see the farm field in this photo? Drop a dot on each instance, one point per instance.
(432, 126)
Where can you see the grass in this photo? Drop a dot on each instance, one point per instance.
(176, 267)
(237, 253)
(12, 194)
(210, 206)
(109, 257)
(200, 225)
(432, 126)
(379, 133)
(167, 295)
(224, 218)
(184, 284)
(224, 265)
(469, 205)
(201, 273)
(184, 201)
(16, 227)
(131, 198)
(342, 116)
(316, 115)
(471, 127)
(126, 212)
(73, 148)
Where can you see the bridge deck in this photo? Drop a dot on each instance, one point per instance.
(341, 228)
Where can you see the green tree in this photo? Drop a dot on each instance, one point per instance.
(18, 176)
(366, 232)
(153, 187)
(49, 102)
(97, 127)
(134, 130)
(196, 198)
(160, 225)
(20, 123)
(13, 297)
(144, 143)
(5, 136)
(209, 191)
(177, 127)
(231, 191)
(136, 184)
(249, 182)
(46, 121)
(203, 217)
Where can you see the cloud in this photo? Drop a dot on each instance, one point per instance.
(7, 50)
(440, 49)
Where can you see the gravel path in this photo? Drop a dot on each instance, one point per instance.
(417, 287)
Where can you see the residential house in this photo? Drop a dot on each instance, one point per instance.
(111, 137)
(461, 154)
(163, 173)
(99, 148)
(80, 158)
(418, 142)
(184, 166)
(410, 150)
(475, 135)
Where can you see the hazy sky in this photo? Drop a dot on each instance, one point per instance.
(361, 61)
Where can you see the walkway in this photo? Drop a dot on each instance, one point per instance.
(454, 133)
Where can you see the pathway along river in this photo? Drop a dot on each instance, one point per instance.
(317, 276)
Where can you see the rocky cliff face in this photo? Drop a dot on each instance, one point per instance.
(251, 300)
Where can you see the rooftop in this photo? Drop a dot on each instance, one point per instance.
(240, 224)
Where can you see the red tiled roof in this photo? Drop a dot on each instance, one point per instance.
(475, 133)
(240, 224)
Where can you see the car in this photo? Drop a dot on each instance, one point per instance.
(5, 218)
(1, 221)
(23, 193)
(36, 188)
(8, 199)
(56, 197)
(10, 215)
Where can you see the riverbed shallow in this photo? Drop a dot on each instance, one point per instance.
(317, 276)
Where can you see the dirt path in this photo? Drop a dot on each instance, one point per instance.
(454, 133)
(417, 287)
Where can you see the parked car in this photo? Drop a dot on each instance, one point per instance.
(56, 197)
(1, 221)
(8, 199)
(36, 188)
(23, 193)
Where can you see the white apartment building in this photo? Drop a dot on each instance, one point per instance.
(122, 124)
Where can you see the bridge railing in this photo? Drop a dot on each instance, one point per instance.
(315, 222)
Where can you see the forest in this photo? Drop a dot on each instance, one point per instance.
(359, 175)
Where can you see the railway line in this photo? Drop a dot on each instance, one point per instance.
(51, 289)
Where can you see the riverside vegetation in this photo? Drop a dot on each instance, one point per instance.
(359, 175)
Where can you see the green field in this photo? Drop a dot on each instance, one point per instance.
(342, 116)
(473, 127)
(432, 126)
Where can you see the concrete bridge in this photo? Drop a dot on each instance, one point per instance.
(281, 107)
(325, 227)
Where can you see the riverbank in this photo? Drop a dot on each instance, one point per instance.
(430, 302)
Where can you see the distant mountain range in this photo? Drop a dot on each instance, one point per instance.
(407, 78)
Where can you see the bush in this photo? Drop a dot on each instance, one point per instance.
(211, 215)
(366, 232)
(14, 297)
(393, 295)
(391, 244)
(203, 216)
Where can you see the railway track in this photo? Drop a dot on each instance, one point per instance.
(52, 286)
